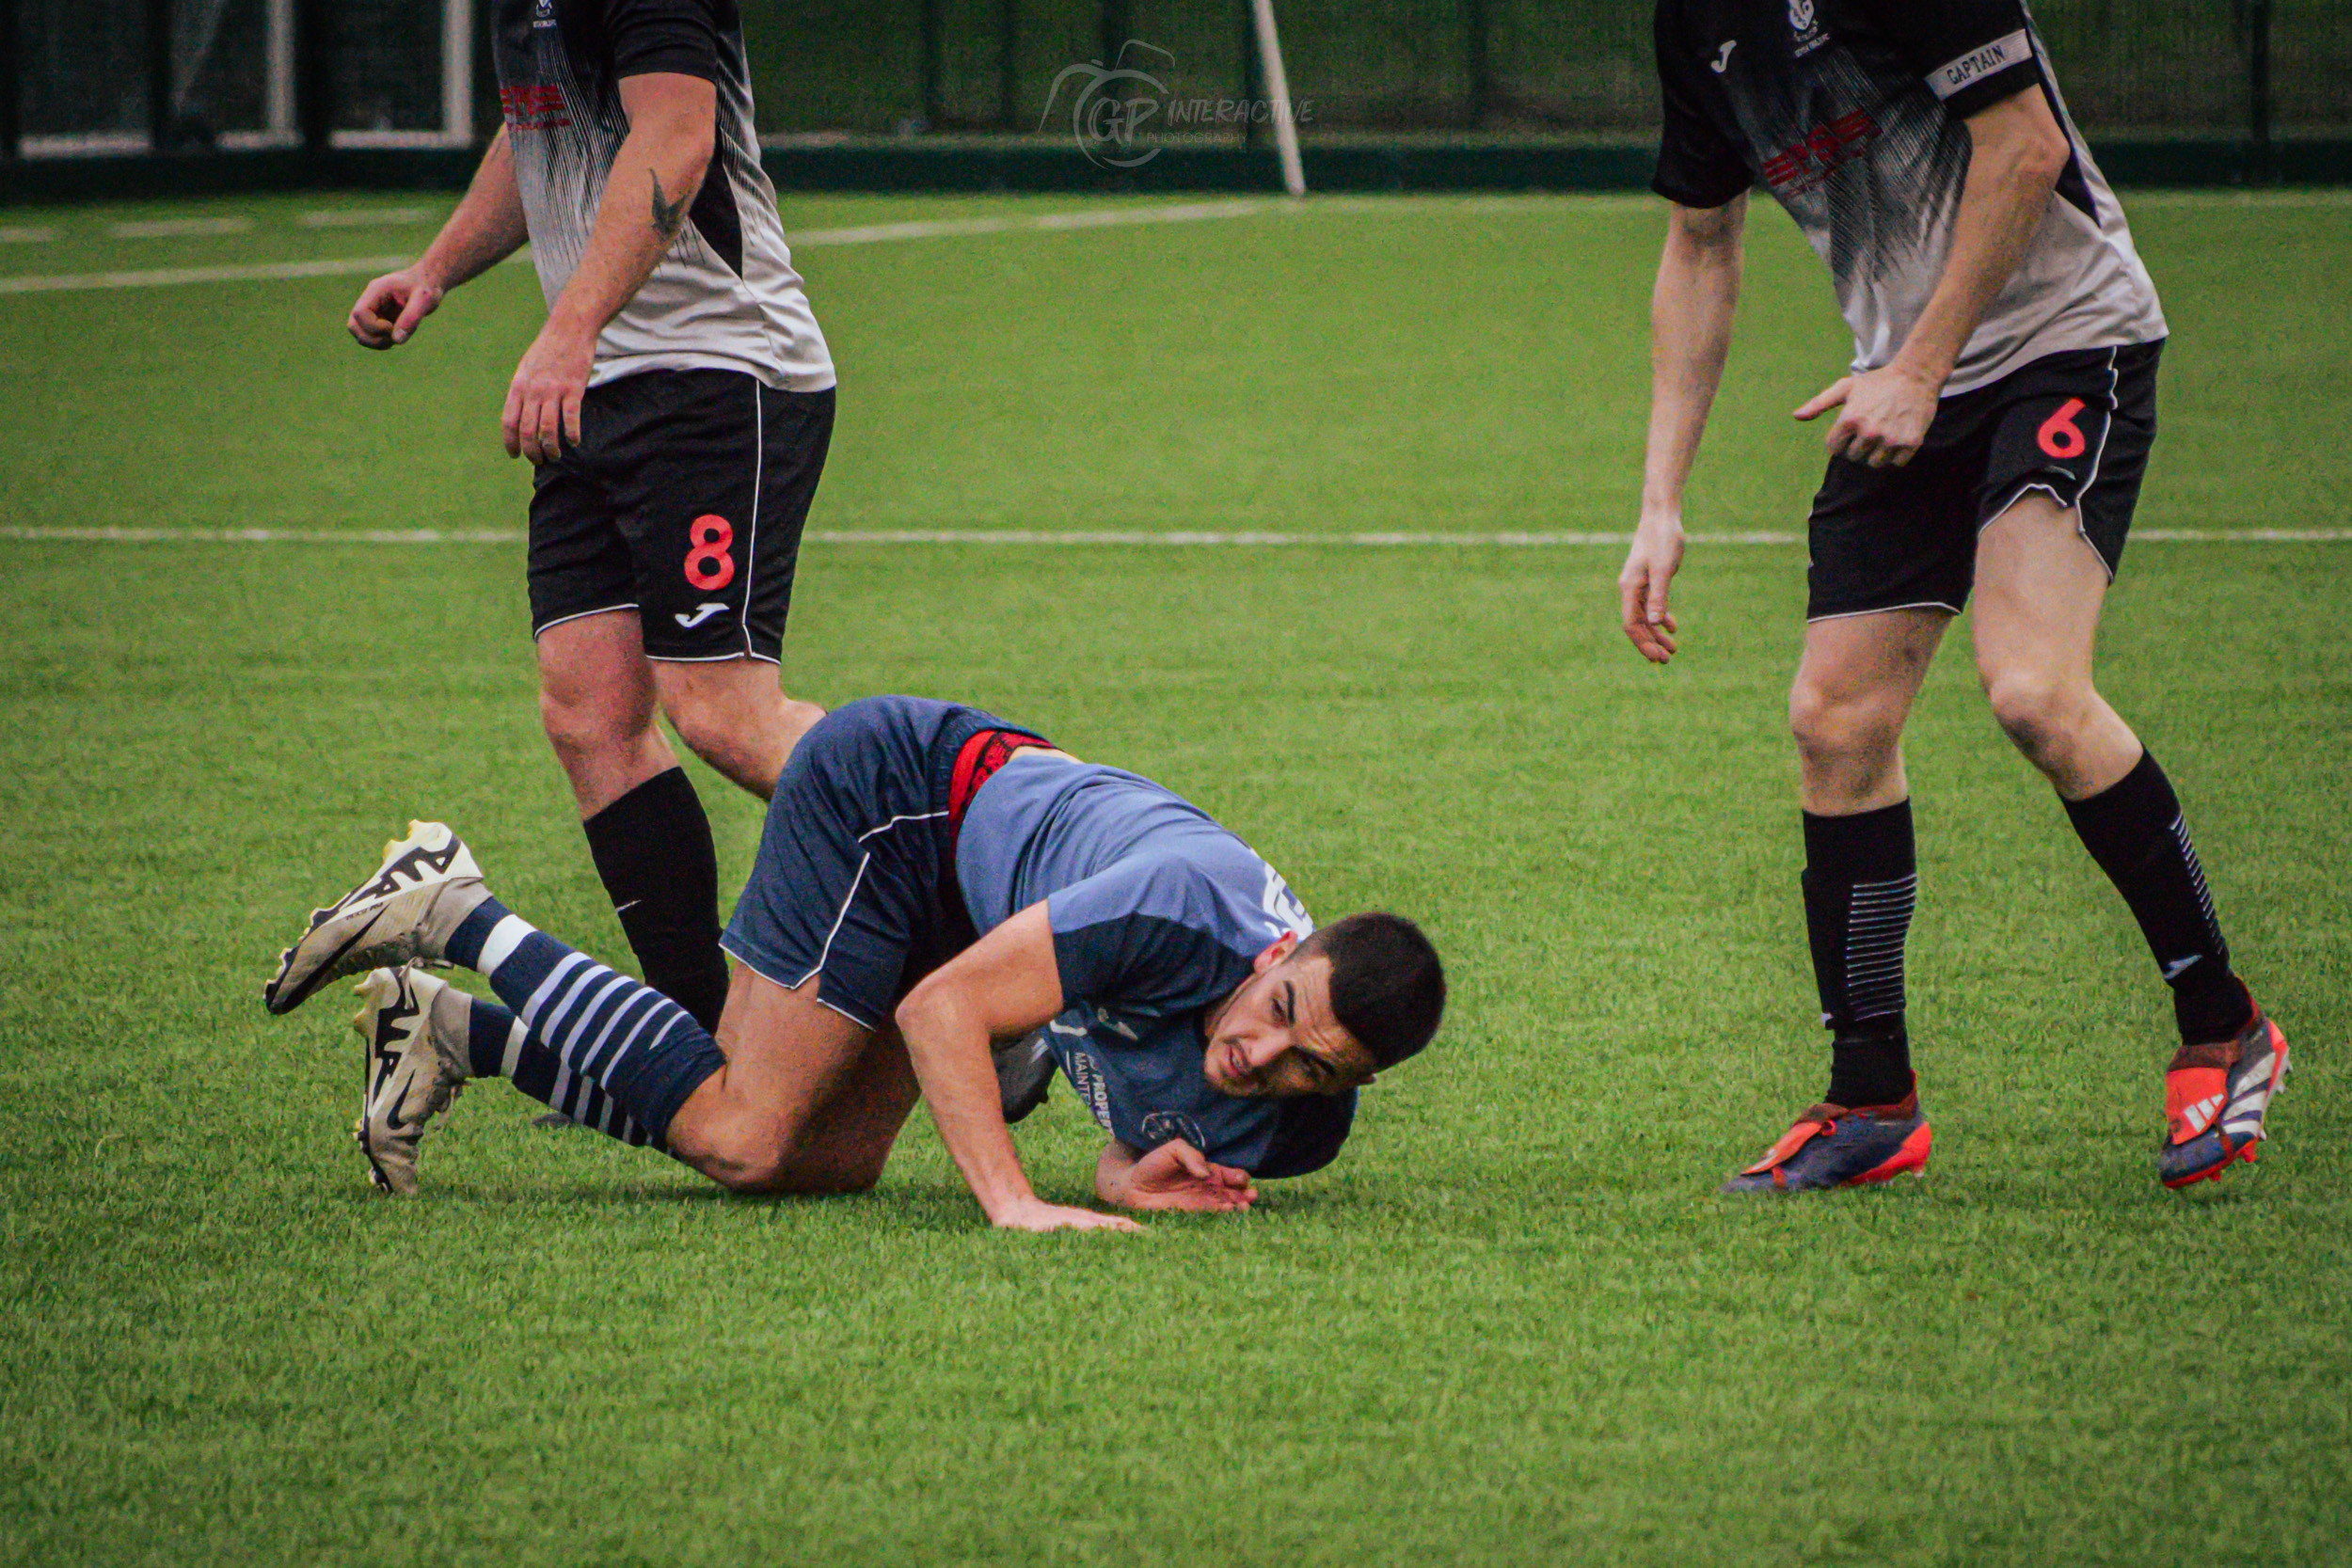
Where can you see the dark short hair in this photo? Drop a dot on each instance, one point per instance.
(1388, 990)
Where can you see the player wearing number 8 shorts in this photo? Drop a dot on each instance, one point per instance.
(676, 404)
(1995, 428)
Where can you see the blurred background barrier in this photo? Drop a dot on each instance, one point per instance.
(124, 96)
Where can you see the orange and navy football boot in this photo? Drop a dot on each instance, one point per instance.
(1832, 1145)
(2215, 1099)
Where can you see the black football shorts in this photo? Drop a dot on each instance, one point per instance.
(2078, 426)
(684, 502)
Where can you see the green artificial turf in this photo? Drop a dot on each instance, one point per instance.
(1513, 1324)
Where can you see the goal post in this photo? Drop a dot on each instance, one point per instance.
(1279, 97)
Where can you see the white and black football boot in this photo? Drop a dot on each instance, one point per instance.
(413, 1066)
(424, 888)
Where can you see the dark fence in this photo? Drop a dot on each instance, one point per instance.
(286, 77)
(1515, 68)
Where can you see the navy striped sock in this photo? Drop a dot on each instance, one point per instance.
(627, 1042)
(500, 1047)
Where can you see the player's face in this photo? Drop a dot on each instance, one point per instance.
(1276, 1038)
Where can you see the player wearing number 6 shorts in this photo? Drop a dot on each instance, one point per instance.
(676, 404)
(1995, 424)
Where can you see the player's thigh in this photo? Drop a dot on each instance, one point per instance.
(1860, 674)
(848, 1136)
(712, 475)
(2066, 448)
(787, 1053)
(595, 666)
(2039, 596)
(728, 705)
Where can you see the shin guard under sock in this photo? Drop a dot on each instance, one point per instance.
(599, 1026)
(498, 1046)
(653, 852)
(2136, 830)
(1861, 883)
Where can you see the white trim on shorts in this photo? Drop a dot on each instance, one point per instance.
(1883, 610)
(751, 551)
(779, 981)
(538, 632)
(708, 658)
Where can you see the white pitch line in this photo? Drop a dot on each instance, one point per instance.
(1047, 223)
(1052, 538)
(26, 235)
(165, 278)
(362, 217)
(181, 229)
(356, 266)
(936, 228)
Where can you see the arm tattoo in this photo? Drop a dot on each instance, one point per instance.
(668, 216)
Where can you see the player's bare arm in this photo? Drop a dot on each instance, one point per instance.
(487, 227)
(1003, 985)
(655, 177)
(2015, 158)
(1690, 313)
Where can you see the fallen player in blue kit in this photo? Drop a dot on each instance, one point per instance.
(933, 884)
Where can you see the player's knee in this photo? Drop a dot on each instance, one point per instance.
(727, 726)
(713, 731)
(589, 723)
(750, 1160)
(831, 1177)
(777, 1171)
(2033, 711)
(1832, 727)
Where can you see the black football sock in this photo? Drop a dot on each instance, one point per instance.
(2137, 832)
(1861, 882)
(653, 851)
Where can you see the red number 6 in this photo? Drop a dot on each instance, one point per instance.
(2060, 436)
(708, 566)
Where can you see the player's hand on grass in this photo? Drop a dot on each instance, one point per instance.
(543, 402)
(1173, 1176)
(1887, 412)
(1035, 1213)
(1649, 568)
(390, 308)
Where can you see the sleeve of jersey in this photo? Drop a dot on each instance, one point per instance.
(1973, 52)
(680, 36)
(1144, 934)
(1697, 166)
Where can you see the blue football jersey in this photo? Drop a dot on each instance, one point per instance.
(1157, 913)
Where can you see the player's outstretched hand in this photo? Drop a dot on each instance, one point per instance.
(543, 402)
(1178, 1175)
(1887, 412)
(1038, 1214)
(390, 308)
(1649, 568)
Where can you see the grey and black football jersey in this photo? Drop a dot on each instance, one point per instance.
(726, 295)
(1852, 113)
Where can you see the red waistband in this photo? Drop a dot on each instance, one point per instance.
(979, 758)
